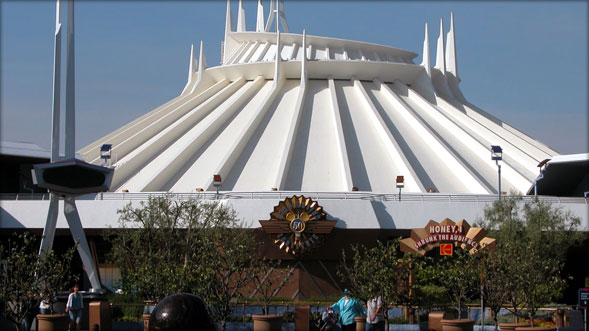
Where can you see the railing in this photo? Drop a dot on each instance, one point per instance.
(279, 195)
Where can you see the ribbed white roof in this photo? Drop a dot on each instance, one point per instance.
(327, 115)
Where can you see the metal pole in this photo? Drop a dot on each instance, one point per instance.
(498, 178)
(482, 310)
(399, 194)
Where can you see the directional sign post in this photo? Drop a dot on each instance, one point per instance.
(584, 302)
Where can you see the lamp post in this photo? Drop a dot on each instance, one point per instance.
(217, 183)
(400, 184)
(497, 155)
(540, 165)
(105, 153)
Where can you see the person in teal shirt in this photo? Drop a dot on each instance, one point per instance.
(348, 308)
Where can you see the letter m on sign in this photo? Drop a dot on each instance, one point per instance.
(446, 249)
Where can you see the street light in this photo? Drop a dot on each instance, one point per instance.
(105, 152)
(540, 165)
(217, 183)
(400, 184)
(497, 155)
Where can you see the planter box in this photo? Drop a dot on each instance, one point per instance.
(457, 325)
(52, 322)
(267, 322)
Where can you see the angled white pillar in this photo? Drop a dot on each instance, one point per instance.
(240, 18)
(282, 15)
(451, 65)
(50, 225)
(70, 86)
(271, 15)
(425, 56)
(73, 220)
(440, 60)
(260, 17)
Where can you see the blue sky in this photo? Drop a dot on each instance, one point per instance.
(524, 62)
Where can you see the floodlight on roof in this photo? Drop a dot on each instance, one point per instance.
(496, 153)
(105, 152)
(400, 184)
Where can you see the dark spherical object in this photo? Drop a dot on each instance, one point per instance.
(181, 312)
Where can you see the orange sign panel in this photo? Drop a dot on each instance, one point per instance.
(446, 249)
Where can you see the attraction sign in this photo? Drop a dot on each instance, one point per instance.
(583, 298)
(298, 224)
(436, 234)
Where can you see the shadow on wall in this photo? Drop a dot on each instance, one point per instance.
(9, 221)
(382, 215)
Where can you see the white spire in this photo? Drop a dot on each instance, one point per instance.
(278, 13)
(440, 61)
(282, 15)
(191, 64)
(202, 61)
(260, 18)
(271, 15)
(240, 18)
(425, 56)
(451, 49)
(70, 86)
(228, 20)
(56, 85)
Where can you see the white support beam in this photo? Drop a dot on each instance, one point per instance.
(141, 155)
(227, 161)
(412, 182)
(343, 150)
(123, 145)
(442, 155)
(285, 159)
(160, 171)
(50, 224)
(75, 225)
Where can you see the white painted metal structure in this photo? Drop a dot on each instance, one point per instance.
(297, 112)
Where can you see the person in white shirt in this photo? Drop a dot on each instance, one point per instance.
(74, 307)
(375, 314)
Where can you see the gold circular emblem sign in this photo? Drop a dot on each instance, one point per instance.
(297, 224)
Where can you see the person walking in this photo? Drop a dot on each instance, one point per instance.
(348, 308)
(74, 307)
(375, 314)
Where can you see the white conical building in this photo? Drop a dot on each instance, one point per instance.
(323, 128)
(290, 112)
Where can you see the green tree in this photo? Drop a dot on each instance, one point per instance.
(534, 247)
(455, 278)
(27, 278)
(268, 279)
(166, 246)
(379, 271)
